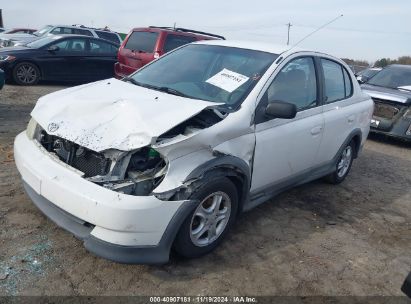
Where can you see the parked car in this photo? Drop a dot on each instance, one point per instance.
(18, 31)
(366, 74)
(60, 58)
(143, 45)
(22, 39)
(406, 286)
(391, 91)
(2, 79)
(158, 160)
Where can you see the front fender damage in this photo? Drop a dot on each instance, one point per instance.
(232, 158)
(164, 168)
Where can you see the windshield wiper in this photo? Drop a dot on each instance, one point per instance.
(161, 89)
(172, 91)
(135, 82)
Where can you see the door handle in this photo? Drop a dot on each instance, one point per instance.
(316, 130)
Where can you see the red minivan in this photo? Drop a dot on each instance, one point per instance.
(143, 45)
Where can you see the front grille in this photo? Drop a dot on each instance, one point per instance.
(89, 162)
(385, 110)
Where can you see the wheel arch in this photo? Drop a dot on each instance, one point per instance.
(26, 60)
(234, 168)
(356, 136)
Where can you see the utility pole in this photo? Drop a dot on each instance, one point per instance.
(289, 25)
(1, 18)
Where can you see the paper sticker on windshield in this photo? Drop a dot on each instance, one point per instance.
(227, 80)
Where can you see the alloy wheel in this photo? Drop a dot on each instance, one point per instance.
(345, 161)
(210, 219)
(26, 74)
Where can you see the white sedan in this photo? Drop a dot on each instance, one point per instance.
(168, 157)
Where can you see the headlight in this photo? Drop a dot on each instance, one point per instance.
(31, 128)
(7, 58)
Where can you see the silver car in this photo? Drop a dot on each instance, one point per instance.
(10, 40)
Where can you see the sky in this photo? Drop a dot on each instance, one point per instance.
(368, 30)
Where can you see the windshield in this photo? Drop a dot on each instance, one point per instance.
(392, 77)
(38, 43)
(213, 73)
(368, 72)
(42, 31)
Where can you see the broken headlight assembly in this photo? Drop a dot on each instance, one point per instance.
(137, 173)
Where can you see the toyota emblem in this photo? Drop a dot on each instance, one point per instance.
(53, 127)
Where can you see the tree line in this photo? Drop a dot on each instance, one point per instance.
(380, 63)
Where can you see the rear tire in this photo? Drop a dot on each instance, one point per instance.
(26, 73)
(343, 166)
(205, 227)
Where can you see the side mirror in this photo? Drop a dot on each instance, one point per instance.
(53, 48)
(2, 79)
(280, 109)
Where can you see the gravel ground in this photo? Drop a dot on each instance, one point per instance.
(318, 239)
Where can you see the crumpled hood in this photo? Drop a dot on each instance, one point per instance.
(113, 114)
(396, 95)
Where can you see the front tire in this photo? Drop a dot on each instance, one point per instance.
(343, 165)
(205, 227)
(26, 73)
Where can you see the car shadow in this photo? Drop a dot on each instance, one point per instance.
(389, 140)
(274, 231)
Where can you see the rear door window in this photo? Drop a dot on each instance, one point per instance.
(142, 41)
(334, 81)
(174, 41)
(348, 84)
(101, 47)
(108, 36)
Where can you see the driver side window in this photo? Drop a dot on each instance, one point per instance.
(296, 83)
(62, 45)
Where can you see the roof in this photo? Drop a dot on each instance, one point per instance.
(60, 36)
(251, 45)
(405, 66)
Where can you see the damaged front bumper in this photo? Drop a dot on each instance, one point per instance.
(391, 119)
(116, 226)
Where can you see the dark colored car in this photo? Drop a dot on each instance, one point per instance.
(143, 45)
(391, 91)
(2, 79)
(406, 286)
(60, 58)
(366, 74)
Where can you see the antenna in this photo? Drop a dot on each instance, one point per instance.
(289, 25)
(321, 27)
